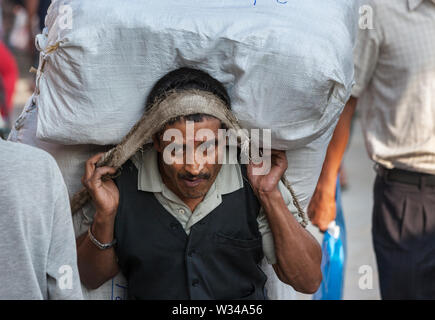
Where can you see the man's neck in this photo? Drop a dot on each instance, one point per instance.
(191, 203)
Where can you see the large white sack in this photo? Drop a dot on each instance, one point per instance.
(287, 66)
(304, 168)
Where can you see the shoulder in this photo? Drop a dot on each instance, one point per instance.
(384, 4)
(29, 161)
(384, 10)
(35, 186)
(14, 151)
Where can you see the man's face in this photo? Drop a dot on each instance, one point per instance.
(193, 177)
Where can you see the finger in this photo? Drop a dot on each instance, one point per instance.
(94, 159)
(259, 169)
(322, 228)
(322, 225)
(310, 213)
(90, 166)
(249, 168)
(276, 171)
(279, 158)
(99, 173)
(319, 225)
(277, 152)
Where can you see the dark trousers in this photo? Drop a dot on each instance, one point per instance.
(404, 239)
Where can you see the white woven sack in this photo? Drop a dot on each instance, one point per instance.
(287, 66)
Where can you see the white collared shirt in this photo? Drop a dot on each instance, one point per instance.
(395, 84)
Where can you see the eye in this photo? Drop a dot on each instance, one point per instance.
(178, 151)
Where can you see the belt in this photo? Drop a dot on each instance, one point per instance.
(405, 176)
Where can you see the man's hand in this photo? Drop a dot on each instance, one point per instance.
(264, 184)
(104, 192)
(321, 209)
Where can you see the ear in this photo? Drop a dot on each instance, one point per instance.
(156, 142)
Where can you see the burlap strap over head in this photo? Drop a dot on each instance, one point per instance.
(175, 104)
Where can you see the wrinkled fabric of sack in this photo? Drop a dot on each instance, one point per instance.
(287, 67)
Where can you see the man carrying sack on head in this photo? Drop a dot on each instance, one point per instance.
(191, 230)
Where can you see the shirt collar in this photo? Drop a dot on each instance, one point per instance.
(414, 4)
(228, 180)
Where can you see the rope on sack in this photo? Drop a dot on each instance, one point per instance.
(33, 70)
(47, 50)
(173, 105)
(301, 213)
(50, 49)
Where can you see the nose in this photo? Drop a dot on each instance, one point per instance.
(194, 169)
(195, 162)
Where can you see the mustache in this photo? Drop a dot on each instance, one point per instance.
(189, 176)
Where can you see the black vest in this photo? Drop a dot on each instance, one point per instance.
(218, 260)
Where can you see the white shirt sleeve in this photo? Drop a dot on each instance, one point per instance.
(366, 55)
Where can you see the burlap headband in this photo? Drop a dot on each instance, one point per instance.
(175, 104)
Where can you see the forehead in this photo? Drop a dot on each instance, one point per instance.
(204, 130)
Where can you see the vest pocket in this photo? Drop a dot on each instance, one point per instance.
(250, 294)
(223, 239)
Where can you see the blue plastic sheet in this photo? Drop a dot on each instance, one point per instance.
(333, 256)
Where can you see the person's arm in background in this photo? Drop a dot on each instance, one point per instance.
(321, 209)
(96, 266)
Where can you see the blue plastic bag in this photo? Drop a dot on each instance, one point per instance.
(333, 255)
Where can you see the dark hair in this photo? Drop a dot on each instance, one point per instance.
(185, 79)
